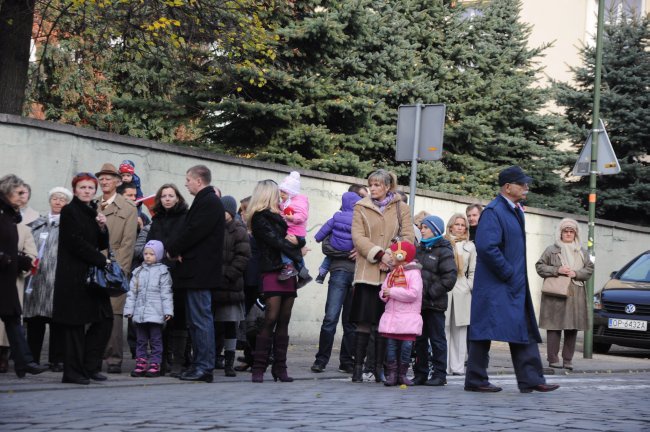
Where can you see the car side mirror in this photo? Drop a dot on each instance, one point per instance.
(612, 274)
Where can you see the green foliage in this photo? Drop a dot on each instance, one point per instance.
(625, 109)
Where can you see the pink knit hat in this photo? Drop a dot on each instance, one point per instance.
(291, 183)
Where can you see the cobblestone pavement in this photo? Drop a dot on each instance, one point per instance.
(586, 402)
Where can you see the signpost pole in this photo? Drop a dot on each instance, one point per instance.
(595, 123)
(414, 160)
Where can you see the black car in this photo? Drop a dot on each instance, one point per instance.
(622, 308)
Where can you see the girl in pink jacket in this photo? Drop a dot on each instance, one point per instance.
(401, 321)
(295, 210)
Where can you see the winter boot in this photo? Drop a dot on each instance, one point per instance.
(360, 347)
(153, 371)
(229, 361)
(279, 368)
(391, 374)
(402, 379)
(380, 356)
(140, 367)
(178, 342)
(260, 358)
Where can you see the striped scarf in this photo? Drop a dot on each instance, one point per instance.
(397, 278)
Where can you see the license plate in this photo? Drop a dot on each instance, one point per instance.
(625, 324)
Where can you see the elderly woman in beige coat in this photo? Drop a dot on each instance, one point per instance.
(460, 297)
(565, 257)
(376, 221)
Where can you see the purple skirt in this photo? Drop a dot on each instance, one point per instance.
(271, 286)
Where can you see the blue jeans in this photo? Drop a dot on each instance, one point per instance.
(339, 296)
(393, 346)
(433, 331)
(201, 328)
(325, 265)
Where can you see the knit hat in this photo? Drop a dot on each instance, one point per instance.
(435, 224)
(403, 251)
(291, 183)
(157, 248)
(229, 204)
(62, 191)
(126, 168)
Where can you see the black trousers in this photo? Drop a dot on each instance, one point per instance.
(16, 335)
(84, 348)
(36, 335)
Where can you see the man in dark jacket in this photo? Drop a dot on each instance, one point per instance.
(198, 249)
(438, 278)
(502, 308)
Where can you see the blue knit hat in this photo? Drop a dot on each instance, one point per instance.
(435, 224)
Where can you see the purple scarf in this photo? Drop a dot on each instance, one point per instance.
(383, 203)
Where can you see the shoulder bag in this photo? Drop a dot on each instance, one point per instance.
(557, 286)
(110, 279)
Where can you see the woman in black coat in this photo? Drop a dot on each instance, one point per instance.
(270, 232)
(11, 190)
(169, 210)
(228, 299)
(82, 237)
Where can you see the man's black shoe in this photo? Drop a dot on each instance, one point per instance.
(317, 368)
(490, 388)
(98, 377)
(419, 380)
(544, 388)
(348, 369)
(436, 382)
(197, 376)
(114, 369)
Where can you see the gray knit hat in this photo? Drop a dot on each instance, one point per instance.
(229, 204)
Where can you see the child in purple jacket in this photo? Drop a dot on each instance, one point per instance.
(339, 228)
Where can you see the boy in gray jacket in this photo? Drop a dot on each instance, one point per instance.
(150, 304)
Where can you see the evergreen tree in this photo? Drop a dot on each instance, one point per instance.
(625, 110)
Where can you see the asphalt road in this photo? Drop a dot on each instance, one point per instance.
(586, 402)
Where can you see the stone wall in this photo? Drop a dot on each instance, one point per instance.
(47, 155)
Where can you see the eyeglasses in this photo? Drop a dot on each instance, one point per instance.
(523, 185)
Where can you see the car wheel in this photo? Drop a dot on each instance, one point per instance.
(601, 348)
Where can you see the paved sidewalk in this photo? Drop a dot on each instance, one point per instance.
(301, 357)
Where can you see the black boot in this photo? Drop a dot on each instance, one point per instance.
(260, 358)
(178, 341)
(360, 346)
(279, 368)
(380, 355)
(229, 361)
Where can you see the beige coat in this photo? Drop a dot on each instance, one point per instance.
(558, 313)
(460, 297)
(372, 231)
(122, 222)
(27, 246)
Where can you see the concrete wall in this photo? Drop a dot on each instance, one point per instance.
(48, 155)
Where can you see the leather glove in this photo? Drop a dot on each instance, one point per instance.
(5, 260)
(24, 263)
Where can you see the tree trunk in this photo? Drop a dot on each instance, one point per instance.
(16, 19)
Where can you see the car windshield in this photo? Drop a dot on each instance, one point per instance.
(639, 271)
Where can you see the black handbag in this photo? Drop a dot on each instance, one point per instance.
(110, 279)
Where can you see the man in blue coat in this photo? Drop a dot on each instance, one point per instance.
(198, 250)
(502, 308)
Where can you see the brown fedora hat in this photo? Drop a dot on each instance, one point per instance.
(108, 168)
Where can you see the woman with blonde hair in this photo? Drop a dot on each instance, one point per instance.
(565, 257)
(269, 229)
(460, 297)
(378, 219)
